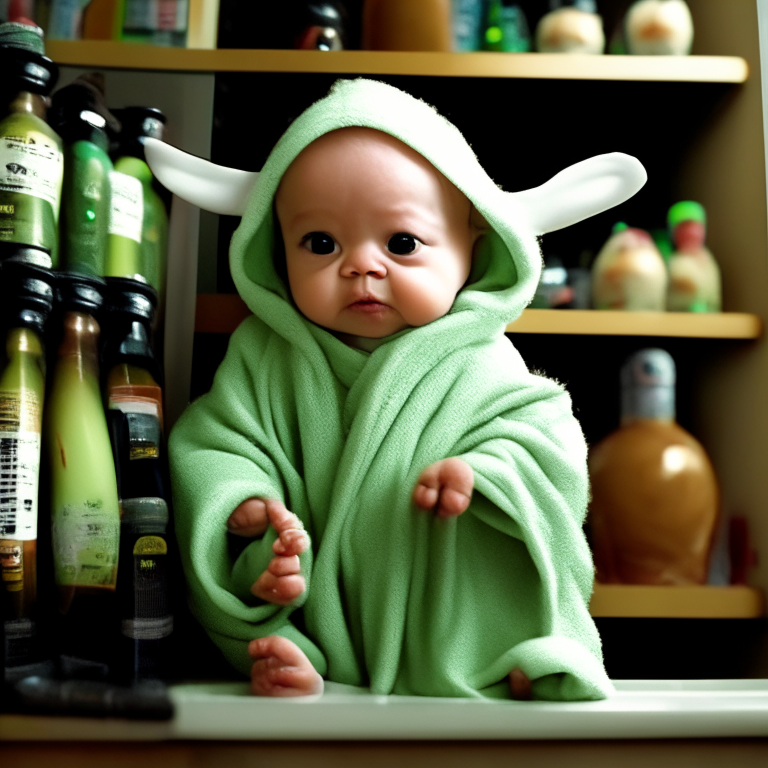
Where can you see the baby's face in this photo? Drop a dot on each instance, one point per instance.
(376, 239)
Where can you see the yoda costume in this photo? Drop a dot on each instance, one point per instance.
(397, 599)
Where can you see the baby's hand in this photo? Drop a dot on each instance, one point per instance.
(282, 582)
(445, 487)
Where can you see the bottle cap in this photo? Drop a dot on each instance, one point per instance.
(24, 36)
(588, 6)
(619, 226)
(26, 70)
(137, 124)
(145, 515)
(131, 297)
(79, 293)
(27, 294)
(27, 254)
(80, 108)
(686, 210)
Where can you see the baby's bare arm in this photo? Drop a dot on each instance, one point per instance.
(445, 487)
(282, 582)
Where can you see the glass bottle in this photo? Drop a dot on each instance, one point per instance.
(135, 417)
(81, 118)
(31, 161)
(147, 262)
(85, 512)
(27, 298)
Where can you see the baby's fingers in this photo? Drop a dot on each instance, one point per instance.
(279, 589)
(249, 518)
(445, 487)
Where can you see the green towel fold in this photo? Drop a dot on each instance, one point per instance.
(396, 599)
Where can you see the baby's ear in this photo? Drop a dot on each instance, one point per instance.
(580, 191)
(200, 182)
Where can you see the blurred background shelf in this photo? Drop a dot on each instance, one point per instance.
(694, 69)
(668, 602)
(221, 313)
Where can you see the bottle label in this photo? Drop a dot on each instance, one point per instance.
(127, 210)
(150, 545)
(142, 417)
(85, 546)
(12, 565)
(32, 168)
(149, 615)
(19, 472)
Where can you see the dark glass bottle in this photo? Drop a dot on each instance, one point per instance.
(135, 416)
(27, 299)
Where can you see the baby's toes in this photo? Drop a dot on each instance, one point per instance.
(280, 668)
(452, 502)
(425, 496)
(269, 680)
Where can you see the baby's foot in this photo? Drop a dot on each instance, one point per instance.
(445, 487)
(520, 685)
(282, 582)
(281, 668)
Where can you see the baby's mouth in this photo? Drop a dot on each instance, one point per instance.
(368, 304)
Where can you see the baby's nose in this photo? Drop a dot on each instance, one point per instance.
(363, 260)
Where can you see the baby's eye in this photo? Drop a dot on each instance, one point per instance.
(319, 243)
(402, 244)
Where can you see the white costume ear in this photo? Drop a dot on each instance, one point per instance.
(580, 191)
(200, 182)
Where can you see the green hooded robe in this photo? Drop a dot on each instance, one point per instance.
(396, 599)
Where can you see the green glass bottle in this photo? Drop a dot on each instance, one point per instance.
(31, 159)
(148, 263)
(85, 512)
(80, 116)
(27, 298)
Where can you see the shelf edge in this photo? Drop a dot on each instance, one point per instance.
(222, 313)
(686, 602)
(547, 66)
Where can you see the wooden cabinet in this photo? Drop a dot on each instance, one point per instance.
(695, 122)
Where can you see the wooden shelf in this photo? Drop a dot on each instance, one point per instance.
(547, 66)
(589, 322)
(222, 313)
(694, 602)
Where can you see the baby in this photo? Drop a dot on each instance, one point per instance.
(376, 241)
(410, 497)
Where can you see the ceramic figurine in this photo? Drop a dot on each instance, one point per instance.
(655, 497)
(571, 26)
(629, 272)
(694, 276)
(655, 27)
(404, 499)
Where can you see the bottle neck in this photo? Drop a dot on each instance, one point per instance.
(23, 341)
(25, 102)
(80, 340)
(647, 402)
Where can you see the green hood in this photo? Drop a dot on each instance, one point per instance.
(507, 266)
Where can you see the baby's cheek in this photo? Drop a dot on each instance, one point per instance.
(426, 297)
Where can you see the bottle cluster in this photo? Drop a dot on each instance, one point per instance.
(84, 501)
